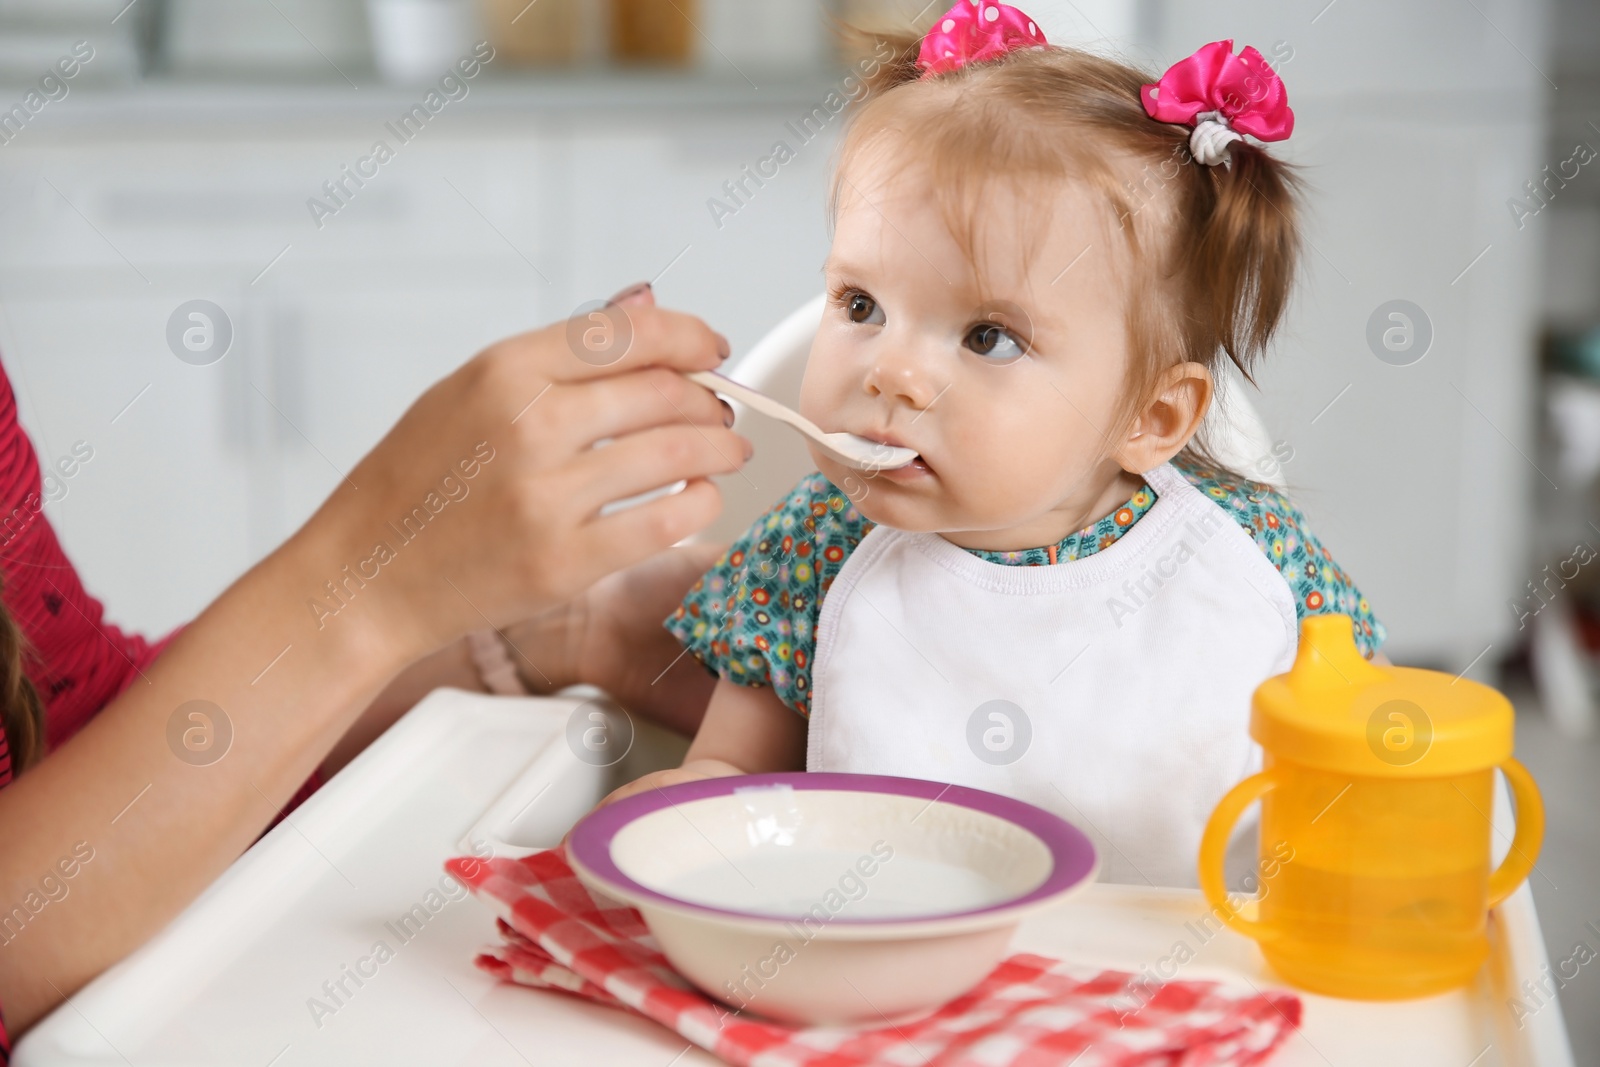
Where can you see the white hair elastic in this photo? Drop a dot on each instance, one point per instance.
(1211, 137)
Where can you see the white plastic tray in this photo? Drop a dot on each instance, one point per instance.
(231, 980)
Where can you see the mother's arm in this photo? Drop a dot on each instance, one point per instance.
(292, 679)
(611, 636)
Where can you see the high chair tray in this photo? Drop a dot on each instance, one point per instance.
(243, 976)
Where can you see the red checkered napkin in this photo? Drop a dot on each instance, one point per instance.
(1030, 1012)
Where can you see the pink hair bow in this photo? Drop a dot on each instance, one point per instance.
(974, 31)
(1223, 96)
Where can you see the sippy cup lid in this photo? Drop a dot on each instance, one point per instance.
(1336, 711)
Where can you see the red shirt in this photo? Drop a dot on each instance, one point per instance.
(78, 662)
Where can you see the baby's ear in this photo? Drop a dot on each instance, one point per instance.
(1169, 418)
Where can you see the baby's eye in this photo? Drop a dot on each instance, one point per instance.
(993, 342)
(862, 308)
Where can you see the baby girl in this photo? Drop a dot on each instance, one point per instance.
(1039, 264)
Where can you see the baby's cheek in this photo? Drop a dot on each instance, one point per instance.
(1014, 469)
(1001, 490)
(827, 381)
(994, 446)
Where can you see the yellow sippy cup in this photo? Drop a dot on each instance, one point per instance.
(1375, 796)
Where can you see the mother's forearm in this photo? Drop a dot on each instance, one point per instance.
(152, 800)
(450, 666)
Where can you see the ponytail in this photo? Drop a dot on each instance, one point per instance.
(900, 68)
(1246, 248)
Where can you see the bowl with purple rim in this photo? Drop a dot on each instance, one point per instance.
(831, 899)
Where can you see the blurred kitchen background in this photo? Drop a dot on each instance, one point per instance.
(1448, 456)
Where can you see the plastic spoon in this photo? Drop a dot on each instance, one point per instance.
(855, 452)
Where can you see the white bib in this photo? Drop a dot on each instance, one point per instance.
(1113, 690)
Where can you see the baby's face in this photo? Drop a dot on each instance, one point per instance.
(1006, 394)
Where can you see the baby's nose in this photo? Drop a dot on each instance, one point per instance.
(903, 377)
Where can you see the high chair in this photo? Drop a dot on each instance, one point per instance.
(777, 362)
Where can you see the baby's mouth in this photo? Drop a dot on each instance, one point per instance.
(918, 466)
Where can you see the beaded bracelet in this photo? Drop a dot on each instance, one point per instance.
(494, 664)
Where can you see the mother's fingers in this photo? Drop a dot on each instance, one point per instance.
(640, 294)
(582, 413)
(626, 537)
(648, 460)
(618, 337)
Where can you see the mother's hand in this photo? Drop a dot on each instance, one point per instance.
(514, 430)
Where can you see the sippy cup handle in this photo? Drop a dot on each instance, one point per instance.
(1505, 879)
(1214, 848)
(1530, 833)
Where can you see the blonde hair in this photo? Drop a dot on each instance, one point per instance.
(1217, 248)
